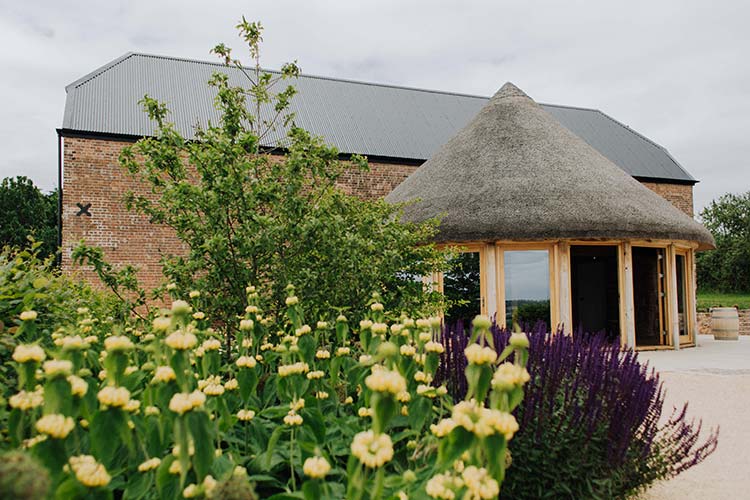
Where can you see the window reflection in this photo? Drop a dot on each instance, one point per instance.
(527, 295)
(461, 287)
(681, 289)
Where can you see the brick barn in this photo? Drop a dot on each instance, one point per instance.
(399, 129)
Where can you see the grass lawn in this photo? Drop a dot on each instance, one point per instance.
(707, 300)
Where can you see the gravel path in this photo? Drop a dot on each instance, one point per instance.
(715, 379)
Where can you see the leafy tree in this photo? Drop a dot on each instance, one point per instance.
(24, 211)
(727, 269)
(250, 215)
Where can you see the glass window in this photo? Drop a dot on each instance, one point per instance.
(461, 287)
(527, 299)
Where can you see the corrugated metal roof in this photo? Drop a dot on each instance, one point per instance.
(356, 117)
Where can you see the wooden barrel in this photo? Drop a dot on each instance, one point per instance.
(725, 323)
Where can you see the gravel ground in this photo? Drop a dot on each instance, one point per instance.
(715, 379)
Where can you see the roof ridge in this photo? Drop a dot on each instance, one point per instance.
(98, 71)
(650, 141)
(317, 77)
(582, 108)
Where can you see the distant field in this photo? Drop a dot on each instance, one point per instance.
(707, 300)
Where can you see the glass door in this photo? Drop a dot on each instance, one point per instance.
(462, 287)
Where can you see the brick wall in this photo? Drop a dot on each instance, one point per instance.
(93, 175)
(680, 195)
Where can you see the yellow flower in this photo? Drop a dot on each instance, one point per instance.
(321, 395)
(181, 341)
(211, 345)
(118, 343)
(315, 375)
(172, 286)
(213, 389)
(247, 325)
(194, 294)
(365, 359)
(191, 491)
(519, 340)
(27, 400)
(478, 355)
(379, 328)
(297, 404)
(403, 397)
(421, 376)
(365, 412)
(56, 367)
(303, 330)
(164, 374)
(232, 384)
(292, 418)
(246, 362)
(183, 402)
(209, 485)
(321, 325)
(479, 483)
(132, 406)
(29, 352)
(376, 307)
(174, 467)
(323, 354)
(72, 343)
(443, 428)
(149, 464)
(152, 410)
(408, 350)
(343, 351)
(199, 315)
(181, 307)
(384, 380)
(161, 324)
(55, 425)
(426, 390)
(316, 467)
(435, 347)
(365, 324)
(508, 375)
(290, 301)
(484, 421)
(423, 324)
(373, 450)
(443, 486)
(482, 322)
(78, 386)
(89, 472)
(349, 400)
(245, 415)
(28, 315)
(293, 369)
(116, 397)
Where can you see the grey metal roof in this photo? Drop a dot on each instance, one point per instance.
(356, 117)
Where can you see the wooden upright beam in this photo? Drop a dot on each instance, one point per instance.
(671, 291)
(564, 304)
(627, 301)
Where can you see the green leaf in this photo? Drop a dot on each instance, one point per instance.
(202, 431)
(272, 445)
(107, 429)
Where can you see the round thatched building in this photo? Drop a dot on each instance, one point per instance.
(555, 231)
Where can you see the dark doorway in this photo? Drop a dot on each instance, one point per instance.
(594, 289)
(648, 296)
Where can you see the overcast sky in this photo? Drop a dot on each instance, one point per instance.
(676, 71)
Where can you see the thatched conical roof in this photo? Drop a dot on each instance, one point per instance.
(515, 173)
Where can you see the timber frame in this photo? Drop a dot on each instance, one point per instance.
(492, 289)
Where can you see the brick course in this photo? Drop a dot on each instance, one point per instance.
(680, 195)
(92, 174)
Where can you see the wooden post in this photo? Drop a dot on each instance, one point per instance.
(563, 280)
(490, 261)
(627, 309)
(671, 291)
(692, 285)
